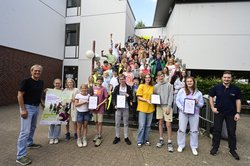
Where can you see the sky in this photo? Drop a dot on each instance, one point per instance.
(144, 10)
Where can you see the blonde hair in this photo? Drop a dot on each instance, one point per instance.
(84, 86)
(36, 66)
(70, 79)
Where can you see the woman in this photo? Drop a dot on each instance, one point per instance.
(146, 109)
(189, 92)
(70, 86)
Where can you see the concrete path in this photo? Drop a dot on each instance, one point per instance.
(68, 154)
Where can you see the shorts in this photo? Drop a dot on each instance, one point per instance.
(83, 116)
(160, 113)
(97, 117)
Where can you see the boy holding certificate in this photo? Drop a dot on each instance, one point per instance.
(122, 100)
(102, 95)
(164, 109)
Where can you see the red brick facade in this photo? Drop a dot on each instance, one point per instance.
(15, 66)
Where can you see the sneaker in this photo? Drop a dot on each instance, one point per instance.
(139, 145)
(234, 154)
(116, 140)
(213, 151)
(84, 142)
(56, 141)
(194, 151)
(160, 143)
(67, 136)
(147, 143)
(75, 136)
(95, 138)
(180, 149)
(24, 160)
(170, 147)
(34, 146)
(79, 142)
(127, 141)
(51, 141)
(98, 142)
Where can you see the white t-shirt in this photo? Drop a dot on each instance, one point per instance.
(81, 98)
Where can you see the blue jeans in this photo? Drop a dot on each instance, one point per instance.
(54, 131)
(194, 130)
(27, 130)
(145, 120)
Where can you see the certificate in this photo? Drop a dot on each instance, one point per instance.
(121, 101)
(93, 102)
(189, 105)
(155, 99)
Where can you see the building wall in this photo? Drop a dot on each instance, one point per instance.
(155, 32)
(36, 26)
(97, 21)
(212, 36)
(130, 22)
(15, 66)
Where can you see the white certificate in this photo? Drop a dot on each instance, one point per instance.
(189, 105)
(120, 101)
(93, 102)
(155, 99)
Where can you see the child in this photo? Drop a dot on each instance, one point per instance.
(102, 95)
(83, 115)
(55, 129)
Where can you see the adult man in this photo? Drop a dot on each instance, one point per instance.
(227, 107)
(164, 110)
(29, 98)
(110, 57)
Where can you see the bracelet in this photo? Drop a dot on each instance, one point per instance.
(238, 113)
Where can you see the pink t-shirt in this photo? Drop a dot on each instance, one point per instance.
(102, 94)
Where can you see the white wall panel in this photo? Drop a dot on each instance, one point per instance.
(34, 26)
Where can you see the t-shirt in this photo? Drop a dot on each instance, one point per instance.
(129, 78)
(111, 59)
(114, 82)
(32, 91)
(145, 91)
(81, 98)
(102, 94)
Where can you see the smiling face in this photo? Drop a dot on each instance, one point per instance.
(190, 83)
(226, 79)
(36, 72)
(70, 83)
(57, 84)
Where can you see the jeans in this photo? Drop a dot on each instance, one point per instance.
(27, 130)
(194, 125)
(54, 131)
(145, 120)
(231, 129)
(124, 114)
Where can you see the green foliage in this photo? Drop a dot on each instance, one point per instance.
(205, 84)
(140, 24)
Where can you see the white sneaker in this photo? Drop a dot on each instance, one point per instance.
(56, 141)
(79, 142)
(180, 149)
(194, 151)
(84, 142)
(51, 141)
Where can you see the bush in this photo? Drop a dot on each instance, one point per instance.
(205, 84)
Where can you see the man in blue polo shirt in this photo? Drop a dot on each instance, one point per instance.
(227, 107)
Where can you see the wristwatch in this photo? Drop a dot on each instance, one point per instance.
(238, 113)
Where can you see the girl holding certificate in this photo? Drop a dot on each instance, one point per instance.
(146, 109)
(189, 100)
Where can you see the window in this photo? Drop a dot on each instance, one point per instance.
(72, 35)
(73, 3)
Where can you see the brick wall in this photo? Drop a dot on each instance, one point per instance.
(15, 66)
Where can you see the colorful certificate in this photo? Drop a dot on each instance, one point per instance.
(189, 105)
(93, 100)
(57, 106)
(121, 101)
(155, 99)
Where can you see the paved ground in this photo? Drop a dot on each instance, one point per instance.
(68, 154)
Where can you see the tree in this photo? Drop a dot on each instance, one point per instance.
(140, 24)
